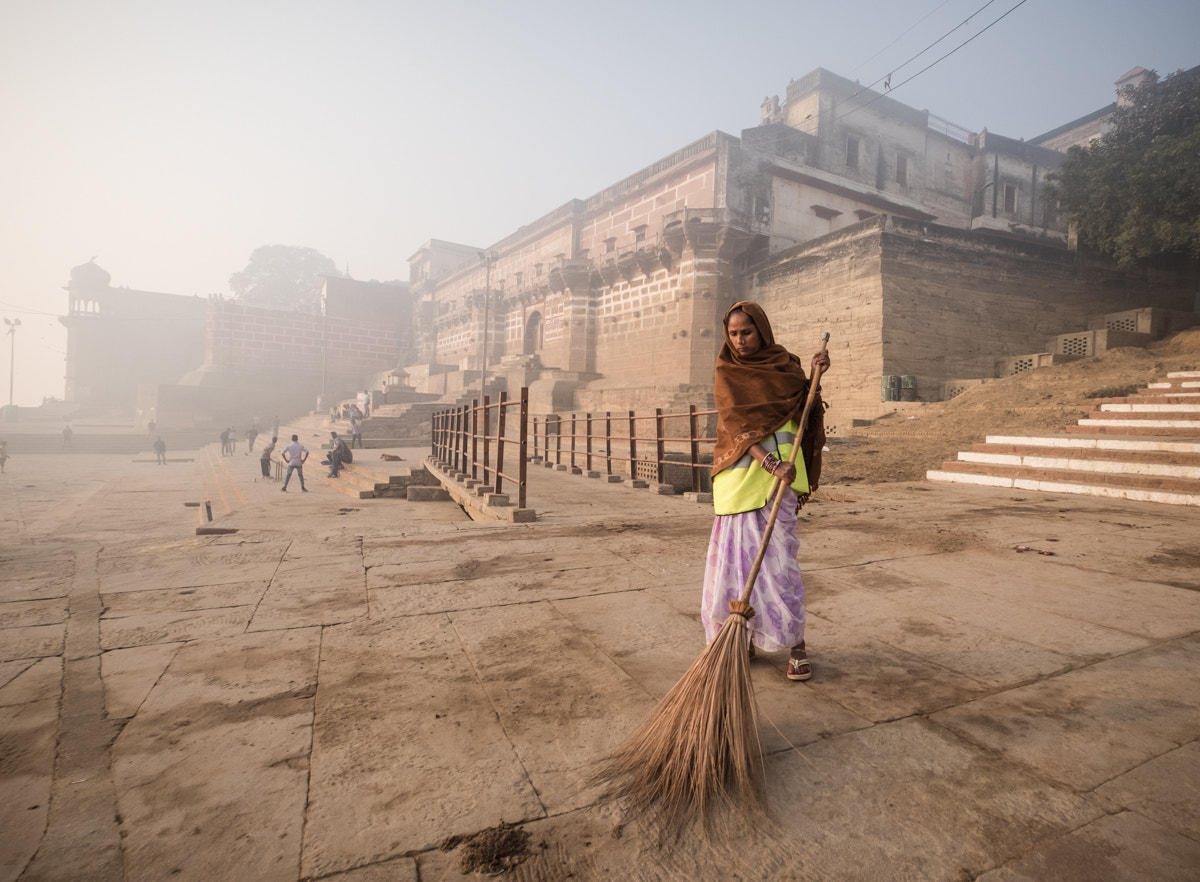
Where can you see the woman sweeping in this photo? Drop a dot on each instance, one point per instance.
(760, 390)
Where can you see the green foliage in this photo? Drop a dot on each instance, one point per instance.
(1135, 192)
(283, 277)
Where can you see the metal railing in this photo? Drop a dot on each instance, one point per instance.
(585, 441)
(475, 438)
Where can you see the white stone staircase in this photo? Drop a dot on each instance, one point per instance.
(1142, 447)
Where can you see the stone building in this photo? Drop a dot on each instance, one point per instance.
(193, 362)
(837, 212)
(118, 338)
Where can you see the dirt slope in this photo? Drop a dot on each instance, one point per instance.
(902, 446)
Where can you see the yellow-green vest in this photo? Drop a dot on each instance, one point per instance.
(744, 485)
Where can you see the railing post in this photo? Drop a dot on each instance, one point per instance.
(461, 442)
(521, 474)
(589, 441)
(500, 422)
(632, 447)
(475, 437)
(558, 444)
(487, 400)
(535, 444)
(659, 447)
(572, 441)
(694, 442)
(608, 441)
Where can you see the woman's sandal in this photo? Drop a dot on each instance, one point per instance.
(799, 668)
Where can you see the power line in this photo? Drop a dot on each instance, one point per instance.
(939, 60)
(899, 38)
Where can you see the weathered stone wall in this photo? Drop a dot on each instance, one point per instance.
(934, 303)
(832, 285)
(248, 338)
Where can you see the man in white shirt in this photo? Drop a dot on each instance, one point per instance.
(294, 455)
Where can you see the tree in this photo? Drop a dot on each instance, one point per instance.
(283, 277)
(1135, 192)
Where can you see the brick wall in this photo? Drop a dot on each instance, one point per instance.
(249, 338)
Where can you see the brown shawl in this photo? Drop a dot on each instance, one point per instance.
(754, 396)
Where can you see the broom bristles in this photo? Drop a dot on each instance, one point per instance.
(698, 751)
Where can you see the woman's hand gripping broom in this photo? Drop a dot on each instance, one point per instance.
(699, 749)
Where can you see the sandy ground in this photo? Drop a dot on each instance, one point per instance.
(905, 444)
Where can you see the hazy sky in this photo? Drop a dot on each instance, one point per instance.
(170, 139)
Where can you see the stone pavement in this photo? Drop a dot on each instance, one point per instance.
(341, 685)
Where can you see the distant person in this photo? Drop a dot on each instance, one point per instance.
(251, 435)
(160, 450)
(232, 440)
(338, 455)
(265, 459)
(294, 455)
(355, 434)
(150, 427)
(225, 442)
(3, 455)
(67, 434)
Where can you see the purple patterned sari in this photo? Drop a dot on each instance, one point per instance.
(778, 595)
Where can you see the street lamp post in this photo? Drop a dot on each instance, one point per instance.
(488, 259)
(13, 324)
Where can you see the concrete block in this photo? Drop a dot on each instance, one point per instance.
(560, 468)
(484, 489)
(496, 499)
(638, 484)
(614, 479)
(522, 515)
(576, 470)
(662, 489)
(698, 497)
(427, 494)
(593, 474)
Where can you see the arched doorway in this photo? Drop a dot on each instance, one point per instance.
(533, 333)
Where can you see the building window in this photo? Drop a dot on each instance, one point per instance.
(1010, 198)
(639, 234)
(902, 171)
(851, 152)
(610, 245)
(824, 212)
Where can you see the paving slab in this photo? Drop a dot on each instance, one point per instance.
(407, 749)
(129, 675)
(336, 687)
(212, 772)
(1121, 848)
(1087, 726)
(1164, 789)
(28, 732)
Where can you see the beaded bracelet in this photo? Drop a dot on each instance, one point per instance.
(771, 463)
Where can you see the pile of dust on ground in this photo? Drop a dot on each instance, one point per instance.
(492, 851)
(902, 446)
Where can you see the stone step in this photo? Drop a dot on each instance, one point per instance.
(1144, 488)
(1134, 427)
(1188, 408)
(1161, 463)
(1098, 442)
(344, 484)
(1139, 447)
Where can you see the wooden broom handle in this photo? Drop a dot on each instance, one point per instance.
(808, 405)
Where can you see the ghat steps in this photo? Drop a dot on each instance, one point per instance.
(1142, 447)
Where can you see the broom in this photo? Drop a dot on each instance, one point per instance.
(699, 751)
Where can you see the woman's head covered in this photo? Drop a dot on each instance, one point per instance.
(757, 315)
